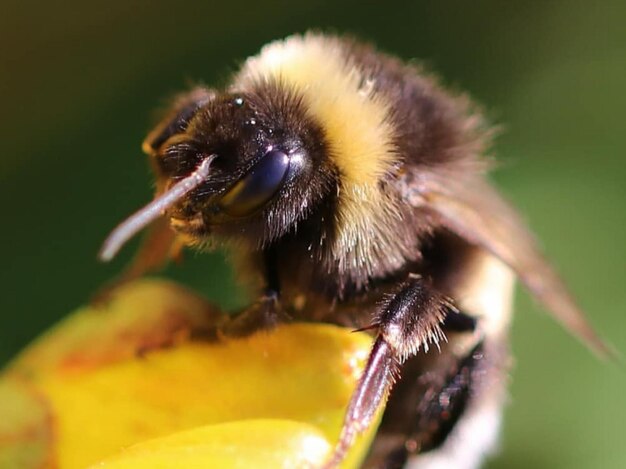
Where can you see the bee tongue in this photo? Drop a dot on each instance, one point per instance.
(146, 215)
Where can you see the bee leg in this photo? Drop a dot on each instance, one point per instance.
(423, 413)
(410, 322)
(447, 409)
(266, 313)
(458, 321)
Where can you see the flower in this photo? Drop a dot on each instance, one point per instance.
(143, 382)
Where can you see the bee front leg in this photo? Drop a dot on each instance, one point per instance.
(265, 313)
(409, 322)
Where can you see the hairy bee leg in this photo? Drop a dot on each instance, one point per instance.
(372, 390)
(410, 322)
(458, 321)
(424, 413)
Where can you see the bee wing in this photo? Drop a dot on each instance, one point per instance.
(477, 212)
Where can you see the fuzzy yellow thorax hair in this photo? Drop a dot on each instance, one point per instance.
(356, 126)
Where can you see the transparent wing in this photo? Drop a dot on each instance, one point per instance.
(474, 210)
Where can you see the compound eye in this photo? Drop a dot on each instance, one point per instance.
(257, 187)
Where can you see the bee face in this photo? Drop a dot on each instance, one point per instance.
(269, 168)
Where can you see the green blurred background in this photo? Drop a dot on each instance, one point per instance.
(79, 82)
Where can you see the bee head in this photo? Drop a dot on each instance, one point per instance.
(245, 166)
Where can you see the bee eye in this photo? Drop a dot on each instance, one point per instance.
(257, 187)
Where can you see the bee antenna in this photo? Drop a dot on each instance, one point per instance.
(146, 215)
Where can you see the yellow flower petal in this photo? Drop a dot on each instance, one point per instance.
(259, 444)
(144, 368)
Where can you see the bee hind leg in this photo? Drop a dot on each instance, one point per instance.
(410, 323)
(447, 410)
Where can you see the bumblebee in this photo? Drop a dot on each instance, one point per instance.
(351, 188)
